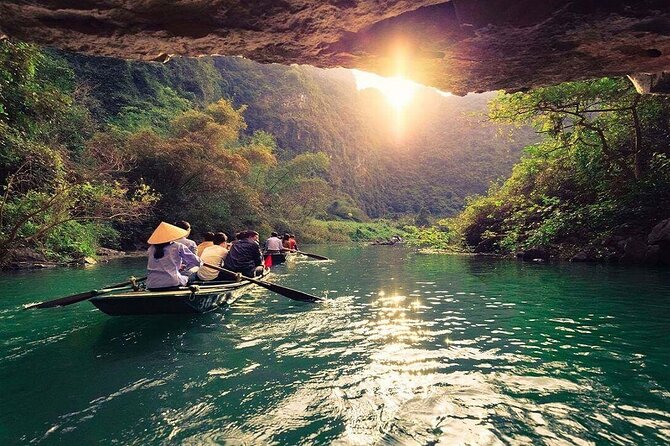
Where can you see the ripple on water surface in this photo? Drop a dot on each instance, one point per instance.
(408, 349)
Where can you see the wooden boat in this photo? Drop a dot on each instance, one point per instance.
(280, 257)
(197, 298)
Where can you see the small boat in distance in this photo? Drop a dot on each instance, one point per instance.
(199, 297)
(277, 257)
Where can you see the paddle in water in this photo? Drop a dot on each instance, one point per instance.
(284, 291)
(73, 299)
(307, 254)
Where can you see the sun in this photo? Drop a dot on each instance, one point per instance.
(397, 90)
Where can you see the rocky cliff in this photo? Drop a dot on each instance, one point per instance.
(459, 46)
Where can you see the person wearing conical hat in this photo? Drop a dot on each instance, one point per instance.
(166, 256)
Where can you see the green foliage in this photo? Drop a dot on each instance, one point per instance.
(318, 231)
(74, 239)
(601, 170)
(54, 181)
(446, 153)
(208, 173)
(439, 236)
(311, 146)
(343, 207)
(156, 115)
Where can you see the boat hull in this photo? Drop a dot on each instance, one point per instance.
(277, 259)
(193, 300)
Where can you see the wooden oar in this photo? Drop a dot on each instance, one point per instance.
(69, 300)
(314, 256)
(284, 291)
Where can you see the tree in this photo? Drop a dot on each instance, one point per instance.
(601, 171)
(50, 176)
(607, 114)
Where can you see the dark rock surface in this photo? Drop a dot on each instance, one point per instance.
(534, 255)
(25, 258)
(107, 252)
(660, 233)
(635, 250)
(459, 46)
(659, 244)
(583, 256)
(485, 246)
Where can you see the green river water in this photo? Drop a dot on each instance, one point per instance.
(408, 349)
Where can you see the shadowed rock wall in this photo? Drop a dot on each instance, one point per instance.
(458, 46)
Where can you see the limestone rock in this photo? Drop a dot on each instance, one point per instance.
(486, 245)
(653, 255)
(660, 233)
(27, 255)
(651, 83)
(107, 252)
(635, 250)
(459, 46)
(582, 256)
(535, 255)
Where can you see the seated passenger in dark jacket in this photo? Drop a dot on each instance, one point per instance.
(244, 255)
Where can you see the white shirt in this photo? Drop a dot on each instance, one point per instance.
(213, 255)
(274, 244)
(190, 244)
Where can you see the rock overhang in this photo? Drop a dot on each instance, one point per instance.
(459, 45)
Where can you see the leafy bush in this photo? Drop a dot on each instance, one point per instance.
(74, 240)
(601, 169)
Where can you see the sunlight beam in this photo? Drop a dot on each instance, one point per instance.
(397, 90)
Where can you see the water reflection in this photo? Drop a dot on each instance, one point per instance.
(408, 349)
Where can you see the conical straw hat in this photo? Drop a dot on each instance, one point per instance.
(165, 232)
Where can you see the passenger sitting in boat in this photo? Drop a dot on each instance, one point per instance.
(286, 241)
(166, 256)
(245, 254)
(214, 255)
(273, 244)
(190, 244)
(208, 240)
(292, 244)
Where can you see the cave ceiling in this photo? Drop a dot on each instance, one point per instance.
(459, 46)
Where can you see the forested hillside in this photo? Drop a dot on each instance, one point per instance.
(75, 176)
(596, 187)
(96, 150)
(447, 153)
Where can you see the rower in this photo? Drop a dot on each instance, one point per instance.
(245, 255)
(166, 256)
(292, 245)
(214, 255)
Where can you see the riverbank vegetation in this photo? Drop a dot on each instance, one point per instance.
(593, 188)
(72, 183)
(96, 150)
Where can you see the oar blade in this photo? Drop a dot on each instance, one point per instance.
(69, 300)
(314, 256)
(307, 254)
(63, 301)
(289, 292)
(284, 291)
